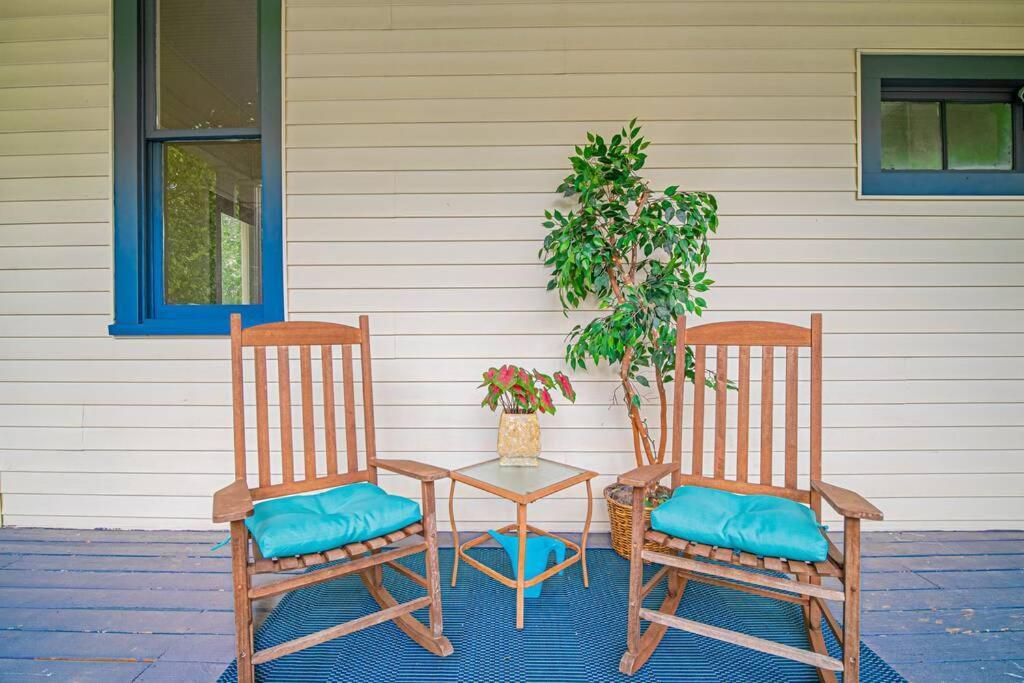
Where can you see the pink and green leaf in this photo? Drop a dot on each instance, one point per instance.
(565, 386)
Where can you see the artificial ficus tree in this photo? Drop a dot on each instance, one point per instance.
(640, 255)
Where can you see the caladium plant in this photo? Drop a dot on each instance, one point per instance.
(518, 390)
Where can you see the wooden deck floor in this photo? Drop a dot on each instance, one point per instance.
(155, 606)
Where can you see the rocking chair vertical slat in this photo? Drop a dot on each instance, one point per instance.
(699, 353)
(351, 449)
(308, 434)
(677, 407)
(815, 420)
(368, 424)
(330, 428)
(262, 426)
(238, 399)
(721, 379)
(284, 388)
(767, 391)
(792, 370)
(743, 415)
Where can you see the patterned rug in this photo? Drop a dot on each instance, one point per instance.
(572, 634)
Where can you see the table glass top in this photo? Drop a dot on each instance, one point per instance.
(521, 480)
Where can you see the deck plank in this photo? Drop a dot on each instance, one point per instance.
(153, 563)
(948, 647)
(116, 620)
(86, 598)
(937, 605)
(79, 672)
(941, 563)
(978, 598)
(1009, 578)
(155, 581)
(176, 672)
(966, 620)
(984, 671)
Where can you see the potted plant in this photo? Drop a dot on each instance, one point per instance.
(640, 256)
(521, 395)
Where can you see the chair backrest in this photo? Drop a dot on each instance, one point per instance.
(309, 337)
(765, 337)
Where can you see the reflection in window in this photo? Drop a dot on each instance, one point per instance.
(207, 64)
(980, 136)
(911, 135)
(947, 135)
(211, 219)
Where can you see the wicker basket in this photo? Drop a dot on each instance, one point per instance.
(621, 518)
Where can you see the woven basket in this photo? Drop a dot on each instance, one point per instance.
(621, 518)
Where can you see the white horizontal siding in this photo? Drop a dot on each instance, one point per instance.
(424, 139)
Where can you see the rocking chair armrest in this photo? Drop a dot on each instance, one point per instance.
(233, 503)
(411, 468)
(846, 502)
(645, 475)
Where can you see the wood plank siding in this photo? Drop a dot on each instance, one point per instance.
(423, 140)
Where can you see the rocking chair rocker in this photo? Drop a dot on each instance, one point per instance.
(345, 517)
(731, 550)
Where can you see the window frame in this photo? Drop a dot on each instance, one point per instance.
(138, 268)
(952, 76)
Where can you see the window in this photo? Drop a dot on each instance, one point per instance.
(942, 125)
(197, 168)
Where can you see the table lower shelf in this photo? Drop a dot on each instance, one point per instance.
(578, 556)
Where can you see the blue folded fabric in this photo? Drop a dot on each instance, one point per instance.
(313, 523)
(538, 550)
(768, 526)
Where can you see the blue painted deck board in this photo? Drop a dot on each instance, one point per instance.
(896, 622)
(91, 672)
(938, 605)
(116, 621)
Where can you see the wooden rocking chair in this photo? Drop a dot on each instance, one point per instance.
(690, 560)
(367, 555)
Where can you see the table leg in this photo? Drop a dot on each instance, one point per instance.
(521, 574)
(455, 532)
(586, 530)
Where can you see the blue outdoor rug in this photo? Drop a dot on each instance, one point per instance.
(572, 633)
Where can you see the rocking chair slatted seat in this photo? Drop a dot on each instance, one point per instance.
(345, 512)
(743, 567)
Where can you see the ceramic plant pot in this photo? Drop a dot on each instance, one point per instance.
(518, 439)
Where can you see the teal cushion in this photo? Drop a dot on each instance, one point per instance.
(763, 525)
(297, 525)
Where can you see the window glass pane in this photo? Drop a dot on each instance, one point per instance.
(979, 135)
(206, 64)
(911, 136)
(211, 221)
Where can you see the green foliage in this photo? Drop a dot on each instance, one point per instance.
(640, 254)
(196, 223)
(189, 228)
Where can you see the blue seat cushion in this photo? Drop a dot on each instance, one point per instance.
(763, 525)
(313, 523)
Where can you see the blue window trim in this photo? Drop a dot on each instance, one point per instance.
(946, 71)
(136, 214)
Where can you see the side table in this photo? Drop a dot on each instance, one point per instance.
(521, 485)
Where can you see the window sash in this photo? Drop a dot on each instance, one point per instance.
(944, 98)
(950, 77)
(139, 306)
